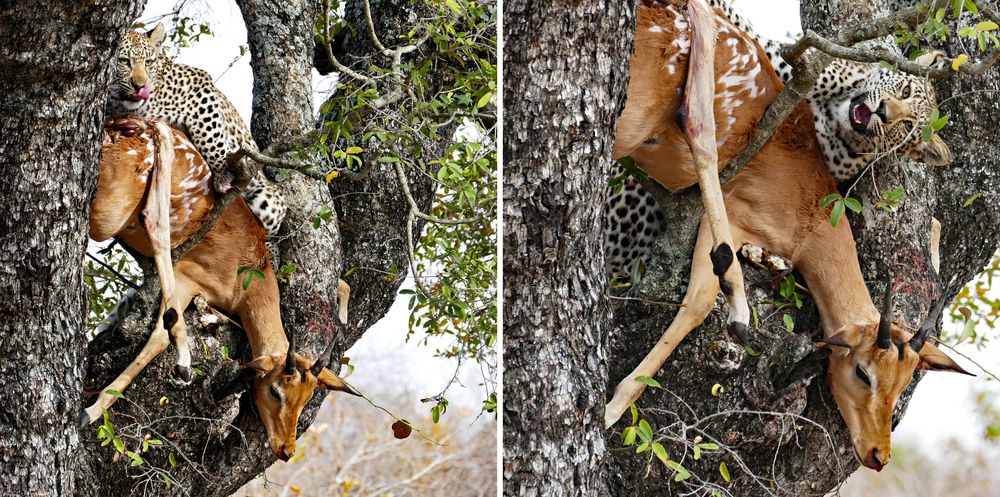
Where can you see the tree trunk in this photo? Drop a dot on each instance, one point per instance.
(563, 86)
(53, 77)
(786, 384)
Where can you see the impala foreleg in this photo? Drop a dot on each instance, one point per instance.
(699, 300)
(698, 123)
(155, 345)
(343, 297)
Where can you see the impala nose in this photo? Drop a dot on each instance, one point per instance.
(283, 454)
(876, 460)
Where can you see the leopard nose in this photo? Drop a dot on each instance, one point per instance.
(881, 112)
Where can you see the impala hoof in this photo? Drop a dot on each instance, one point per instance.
(738, 331)
(184, 373)
(89, 415)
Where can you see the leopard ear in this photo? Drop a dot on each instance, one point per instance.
(156, 35)
(934, 152)
(931, 58)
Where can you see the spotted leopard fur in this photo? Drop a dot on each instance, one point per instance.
(147, 84)
(845, 96)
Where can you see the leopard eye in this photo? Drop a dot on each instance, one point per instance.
(149, 61)
(860, 373)
(906, 91)
(124, 60)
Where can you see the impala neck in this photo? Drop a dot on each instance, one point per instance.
(832, 272)
(262, 319)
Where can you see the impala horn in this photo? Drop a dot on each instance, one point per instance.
(290, 368)
(323, 358)
(920, 337)
(884, 339)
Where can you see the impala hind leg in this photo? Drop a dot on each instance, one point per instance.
(699, 300)
(155, 345)
(178, 330)
(698, 126)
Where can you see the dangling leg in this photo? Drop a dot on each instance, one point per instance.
(343, 297)
(178, 329)
(699, 131)
(699, 300)
(157, 343)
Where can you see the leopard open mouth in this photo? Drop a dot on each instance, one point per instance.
(859, 114)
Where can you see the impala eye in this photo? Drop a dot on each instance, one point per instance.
(906, 92)
(274, 393)
(862, 376)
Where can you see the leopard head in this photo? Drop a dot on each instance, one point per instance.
(137, 66)
(887, 112)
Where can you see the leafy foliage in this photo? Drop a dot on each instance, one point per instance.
(454, 261)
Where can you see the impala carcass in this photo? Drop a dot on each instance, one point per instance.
(773, 202)
(283, 381)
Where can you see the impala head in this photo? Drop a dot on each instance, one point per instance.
(889, 110)
(137, 65)
(870, 365)
(281, 387)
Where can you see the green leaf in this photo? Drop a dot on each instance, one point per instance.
(659, 452)
(927, 133)
(114, 393)
(971, 199)
(645, 380)
(628, 436)
(485, 99)
(751, 351)
(682, 473)
(853, 204)
(894, 195)
(829, 198)
(634, 411)
(225, 352)
(354, 150)
(986, 26)
(709, 446)
(645, 431)
(724, 471)
(836, 214)
(172, 459)
(789, 324)
(119, 445)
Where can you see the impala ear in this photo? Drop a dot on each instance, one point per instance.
(932, 359)
(330, 381)
(263, 364)
(156, 35)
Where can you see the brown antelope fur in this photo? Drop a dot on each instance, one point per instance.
(209, 269)
(772, 202)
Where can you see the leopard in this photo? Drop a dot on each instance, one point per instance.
(149, 84)
(861, 111)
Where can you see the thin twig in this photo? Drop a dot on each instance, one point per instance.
(116, 273)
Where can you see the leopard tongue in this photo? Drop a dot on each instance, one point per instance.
(142, 94)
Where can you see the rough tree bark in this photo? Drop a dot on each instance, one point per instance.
(788, 376)
(53, 78)
(220, 444)
(563, 85)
